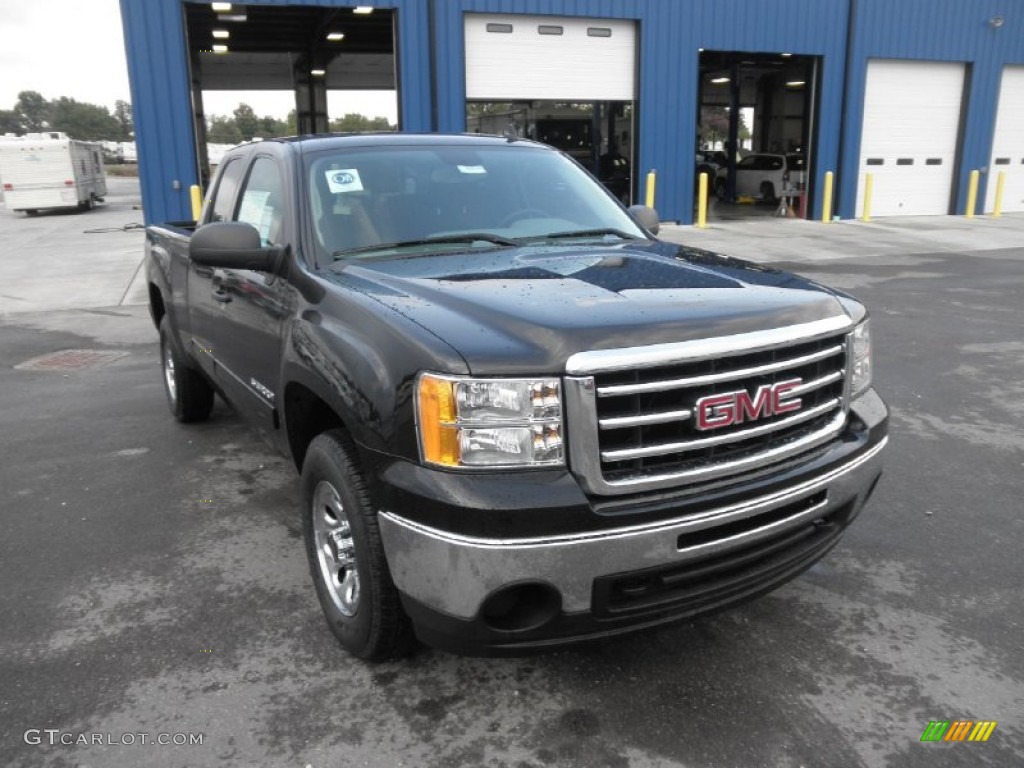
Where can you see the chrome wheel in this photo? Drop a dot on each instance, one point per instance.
(335, 549)
(172, 388)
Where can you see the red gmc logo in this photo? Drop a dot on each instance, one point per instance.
(717, 411)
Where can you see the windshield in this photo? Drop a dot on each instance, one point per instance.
(384, 201)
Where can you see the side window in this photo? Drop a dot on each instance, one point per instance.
(262, 204)
(220, 209)
(749, 162)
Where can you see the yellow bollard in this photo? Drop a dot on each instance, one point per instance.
(649, 200)
(972, 194)
(197, 201)
(997, 209)
(869, 187)
(702, 202)
(826, 203)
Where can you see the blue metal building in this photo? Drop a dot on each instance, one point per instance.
(841, 40)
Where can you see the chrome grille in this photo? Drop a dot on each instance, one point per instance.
(644, 422)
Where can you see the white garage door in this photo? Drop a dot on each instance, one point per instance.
(909, 140)
(549, 57)
(1008, 143)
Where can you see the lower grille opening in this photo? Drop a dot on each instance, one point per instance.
(698, 587)
(746, 524)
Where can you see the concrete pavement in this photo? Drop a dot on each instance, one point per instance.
(73, 259)
(769, 239)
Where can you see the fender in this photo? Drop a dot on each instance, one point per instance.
(363, 365)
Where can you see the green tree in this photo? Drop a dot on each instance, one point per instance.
(123, 115)
(356, 123)
(271, 127)
(33, 109)
(10, 121)
(79, 120)
(246, 121)
(292, 123)
(223, 130)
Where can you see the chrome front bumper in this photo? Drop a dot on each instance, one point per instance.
(454, 574)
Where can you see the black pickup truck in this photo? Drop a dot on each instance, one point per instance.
(520, 419)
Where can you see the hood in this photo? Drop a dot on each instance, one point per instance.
(526, 310)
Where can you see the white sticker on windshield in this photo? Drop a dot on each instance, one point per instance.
(472, 169)
(344, 180)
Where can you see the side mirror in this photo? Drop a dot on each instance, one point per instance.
(646, 218)
(233, 245)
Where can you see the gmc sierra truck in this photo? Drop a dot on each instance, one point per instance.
(520, 419)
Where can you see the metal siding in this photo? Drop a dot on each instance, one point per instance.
(667, 123)
(412, 44)
(938, 30)
(161, 106)
(670, 33)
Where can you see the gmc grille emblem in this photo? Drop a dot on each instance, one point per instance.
(717, 411)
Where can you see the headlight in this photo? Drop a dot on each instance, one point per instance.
(860, 343)
(489, 422)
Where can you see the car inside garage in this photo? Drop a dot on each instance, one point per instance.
(757, 115)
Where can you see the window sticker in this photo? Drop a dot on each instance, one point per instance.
(344, 180)
(472, 169)
(253, 206)
(254, 210)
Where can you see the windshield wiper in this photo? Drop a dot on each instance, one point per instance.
(587, 233)
(462, 238)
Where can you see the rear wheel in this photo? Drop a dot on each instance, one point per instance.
(189, 395)
(346, 554)
(768, 192)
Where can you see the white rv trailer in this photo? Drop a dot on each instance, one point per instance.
(49, 170)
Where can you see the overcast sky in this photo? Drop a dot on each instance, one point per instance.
(75, 48)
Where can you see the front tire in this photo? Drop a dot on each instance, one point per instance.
(346, 555)
(189, 395)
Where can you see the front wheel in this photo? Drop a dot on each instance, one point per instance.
(346, 554)
(189, 395)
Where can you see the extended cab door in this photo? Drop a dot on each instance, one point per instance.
(238, 314)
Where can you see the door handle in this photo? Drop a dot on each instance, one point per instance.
(222, 296)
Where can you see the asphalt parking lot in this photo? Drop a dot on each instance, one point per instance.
(154, 580)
